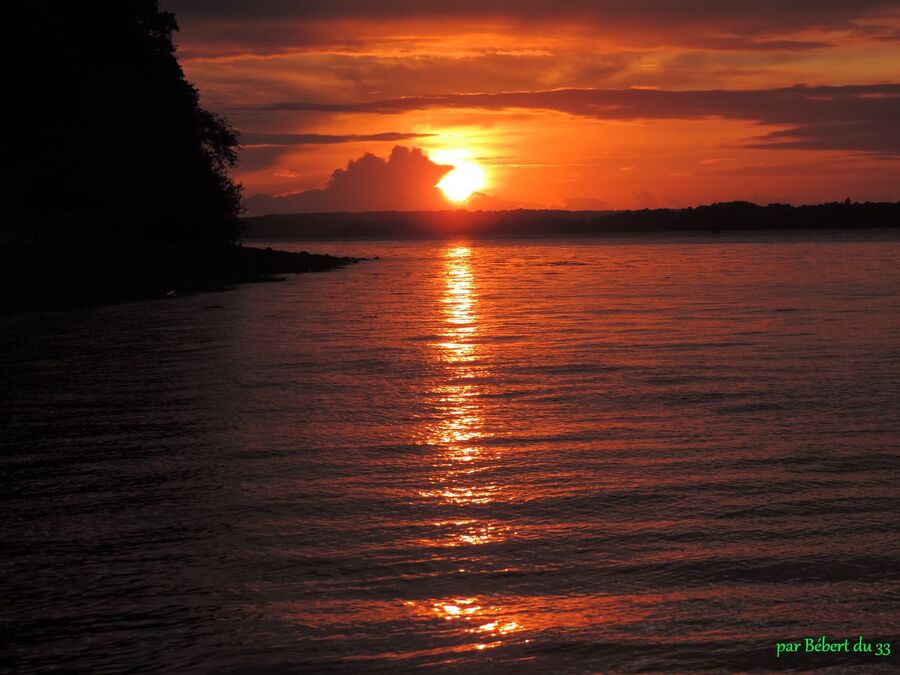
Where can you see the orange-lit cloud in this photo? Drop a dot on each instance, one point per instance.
(404, 181)
(556, 99)
(862, 118)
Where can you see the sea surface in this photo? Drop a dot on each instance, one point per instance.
(602, 455)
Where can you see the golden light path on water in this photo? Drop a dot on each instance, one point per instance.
(424, 463)
(461, 461)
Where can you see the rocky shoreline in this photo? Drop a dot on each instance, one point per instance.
(57, 276)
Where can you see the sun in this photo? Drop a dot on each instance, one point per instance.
(466, 177)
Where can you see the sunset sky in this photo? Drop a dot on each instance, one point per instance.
(582, 104)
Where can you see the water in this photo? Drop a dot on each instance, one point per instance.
(645, 455)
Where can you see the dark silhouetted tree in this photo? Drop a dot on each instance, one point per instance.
(108, 139)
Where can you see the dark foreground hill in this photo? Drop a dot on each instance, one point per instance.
(730, 216)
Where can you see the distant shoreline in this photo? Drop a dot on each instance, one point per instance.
(715, 218)
(51, 276)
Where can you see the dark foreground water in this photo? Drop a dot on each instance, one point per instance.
(552, 457)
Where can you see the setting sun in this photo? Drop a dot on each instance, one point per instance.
(466, 177)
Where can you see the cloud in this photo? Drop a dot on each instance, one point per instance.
(761, 14)
(261, 150)
(527, 78)
(851, 135)
(252, 138)
(267, 27)
(860, 118)
(396, 70)
(403, 182)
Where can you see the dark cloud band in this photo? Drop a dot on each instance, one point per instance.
(797, 12)
(853, 117)
(251, 138)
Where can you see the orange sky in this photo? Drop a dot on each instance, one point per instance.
(565, 104)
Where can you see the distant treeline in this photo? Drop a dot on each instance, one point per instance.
(721, 217)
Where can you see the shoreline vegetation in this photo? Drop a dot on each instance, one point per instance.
(715, 218)
(34, 277)
(117, 183)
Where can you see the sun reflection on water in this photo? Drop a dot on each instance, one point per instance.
(462, 464)
(460, 316)
(479, 619)
(460, 425)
